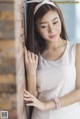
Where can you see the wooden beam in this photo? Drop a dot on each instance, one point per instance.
(6, 6)
(6, 0)
(20, 72)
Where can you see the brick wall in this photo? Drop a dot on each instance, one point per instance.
(7, 59)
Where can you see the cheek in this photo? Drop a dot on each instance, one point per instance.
(58, 28)
(43, 33)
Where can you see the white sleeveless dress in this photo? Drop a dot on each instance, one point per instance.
(56, 79)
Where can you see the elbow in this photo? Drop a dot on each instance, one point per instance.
(78, 93)
(34, 93)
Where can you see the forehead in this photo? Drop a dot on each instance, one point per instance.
(49, 16)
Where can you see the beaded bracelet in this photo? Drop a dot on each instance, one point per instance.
(57, 102)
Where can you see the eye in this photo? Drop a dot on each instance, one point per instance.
(55, 22)
(44, 26)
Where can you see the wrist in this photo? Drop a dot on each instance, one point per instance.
(30, 69)
(57, 103)
(31, 73)
(53, 104)
(50, 105)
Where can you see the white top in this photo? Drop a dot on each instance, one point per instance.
(56, 79)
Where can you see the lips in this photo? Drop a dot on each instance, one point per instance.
(52, 36)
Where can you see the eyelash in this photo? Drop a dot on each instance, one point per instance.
(46, 26)
(55, 22)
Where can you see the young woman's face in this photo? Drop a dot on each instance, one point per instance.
(49, 27)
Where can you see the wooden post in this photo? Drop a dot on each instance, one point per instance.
(20, 69)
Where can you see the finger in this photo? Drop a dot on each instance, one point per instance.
(29, 56)
(30, 104)
(36, 57)
(33, 56)
(25, 48)
(29, 99)
(26, 56)
(25, 91)
(27, 96)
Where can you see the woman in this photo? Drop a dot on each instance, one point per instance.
(52, 65)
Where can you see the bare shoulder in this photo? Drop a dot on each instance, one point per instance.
(78, 54)
(78, 46)
(78, 49)
(78, 65)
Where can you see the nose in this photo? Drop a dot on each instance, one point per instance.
(51, 28)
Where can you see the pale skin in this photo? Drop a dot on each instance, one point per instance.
(54, 49)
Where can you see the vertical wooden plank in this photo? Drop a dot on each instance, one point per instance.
(7, 60)
(20, 72)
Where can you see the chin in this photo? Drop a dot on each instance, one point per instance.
(53, 39)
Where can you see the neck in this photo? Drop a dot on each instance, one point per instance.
(54, 45)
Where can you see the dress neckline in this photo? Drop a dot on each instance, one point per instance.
(54, 61)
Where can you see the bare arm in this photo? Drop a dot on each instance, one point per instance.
(32, 88)
(66, 100)
(31, 61)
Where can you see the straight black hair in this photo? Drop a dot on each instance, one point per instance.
(35, 42)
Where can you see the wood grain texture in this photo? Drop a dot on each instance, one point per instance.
(6, 20)
(6, 6)
(8, 84)
(20, 74)
(7, 0)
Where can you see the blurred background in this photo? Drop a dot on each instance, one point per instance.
(7, 59)
(71, 14)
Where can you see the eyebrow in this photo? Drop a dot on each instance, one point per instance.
(52, 20)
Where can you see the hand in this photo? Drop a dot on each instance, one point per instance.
(33, 101)
(31, 61)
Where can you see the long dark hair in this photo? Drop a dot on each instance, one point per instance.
(35, 42)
